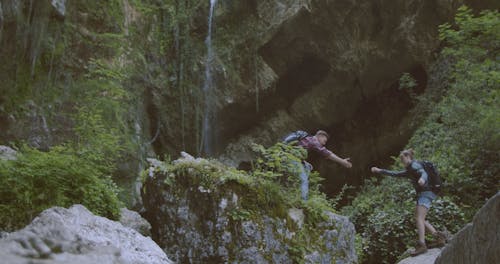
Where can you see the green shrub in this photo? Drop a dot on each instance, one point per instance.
(280, 160)
(406, 81)
(462, 133)
(39, 180)
(280, 164)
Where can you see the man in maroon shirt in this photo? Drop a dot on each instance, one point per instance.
(316, 143)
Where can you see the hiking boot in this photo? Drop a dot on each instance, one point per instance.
(439, 240)
(419, 249)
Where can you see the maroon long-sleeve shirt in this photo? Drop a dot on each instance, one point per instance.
(311, 143)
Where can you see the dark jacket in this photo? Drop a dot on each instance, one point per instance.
(414, 172)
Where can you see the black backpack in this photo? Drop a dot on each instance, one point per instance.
(295, 136)
(435, 181)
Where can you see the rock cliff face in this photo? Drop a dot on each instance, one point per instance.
(75, 235)
(335, 65)
(479, 241)
(47, 51)
(23, 31)
(300, 64)
(278, 66)
(331, 65)
(196, 221)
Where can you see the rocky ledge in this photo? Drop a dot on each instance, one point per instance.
(76, 236)
(479, 241)
(204, 212)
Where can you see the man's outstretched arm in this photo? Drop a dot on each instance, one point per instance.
(331, 156)
(344, 162)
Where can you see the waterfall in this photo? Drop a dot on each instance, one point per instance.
(208, 135)
(142, 155)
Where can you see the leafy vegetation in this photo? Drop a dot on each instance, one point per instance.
(406, 81)
(77, 69)
(466, 123)
(38, 180)
(72, 75)
(460, 135)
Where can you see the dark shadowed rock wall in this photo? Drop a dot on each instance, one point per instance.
(335, 65)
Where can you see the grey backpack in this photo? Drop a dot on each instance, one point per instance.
(295, 136)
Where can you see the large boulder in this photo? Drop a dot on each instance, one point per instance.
(427, 258)
(478, 242)
(134, 220)
(75, 235)
(198, 218)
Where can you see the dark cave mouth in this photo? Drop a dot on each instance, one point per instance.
(301, 77)
(419, 74)
(382, 126)
(297, 80)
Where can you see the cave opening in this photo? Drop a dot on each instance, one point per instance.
(379, 129)
(419, 74)
(300, 78)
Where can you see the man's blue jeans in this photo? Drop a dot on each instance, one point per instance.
(303, 170)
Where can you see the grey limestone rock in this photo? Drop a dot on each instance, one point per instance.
(478, 242)
(7, 153)
(427, 258)
(134, 220)
(204, 225)
(75, 235)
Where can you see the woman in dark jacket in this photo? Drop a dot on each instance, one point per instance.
(420, 180)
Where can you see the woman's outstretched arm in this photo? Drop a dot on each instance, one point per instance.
(403, 173)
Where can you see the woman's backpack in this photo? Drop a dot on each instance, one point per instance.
(435, 181)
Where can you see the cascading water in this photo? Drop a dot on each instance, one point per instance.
(208, 135)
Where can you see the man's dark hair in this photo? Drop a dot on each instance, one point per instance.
(322, 133)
